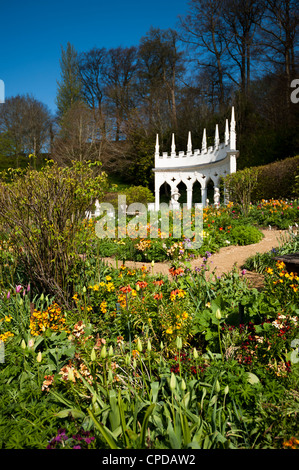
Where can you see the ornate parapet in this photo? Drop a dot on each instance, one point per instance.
(207, 163)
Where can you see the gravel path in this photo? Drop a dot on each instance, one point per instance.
(227, 257)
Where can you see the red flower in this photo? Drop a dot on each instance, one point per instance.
(158, 296)
(141, 284)
(126, 289)
(176, 272)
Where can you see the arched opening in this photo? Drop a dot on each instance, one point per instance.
(183, 193)
(165, 193)
(210, 191)
(196, 193)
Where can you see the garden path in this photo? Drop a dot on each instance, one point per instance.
(226, 259)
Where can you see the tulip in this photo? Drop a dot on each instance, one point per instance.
(23, 344)
(93, 355)
(172, 381)
(18, 289)
(195, 353)
(218, 314)
(149, 346)
(103, 352)
(139, 345)
(71, 375)
(179, 343)
(8, 295)
(39, 357)
(110, 352)
(127, 360)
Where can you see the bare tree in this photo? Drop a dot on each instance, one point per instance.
(279, 39)
(160, 67)
(241, 19)
(120, 80)
(202, 30)
(27, 122)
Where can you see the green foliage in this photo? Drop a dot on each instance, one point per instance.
(43, 214)
(245, 235)
(277, 180)
(139, 194)
(70, 87)
(185, 361)
(240, 186)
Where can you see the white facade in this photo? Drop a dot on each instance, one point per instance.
(208, 163)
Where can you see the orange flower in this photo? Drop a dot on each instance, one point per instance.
(126, 289)
(158, 296)
(176, 271)
(141, 284)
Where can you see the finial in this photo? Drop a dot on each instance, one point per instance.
(189, 145)
(216, 137)
(157, 145)
(204, 141)
(173, 146)
(233, 130)
(226, 132)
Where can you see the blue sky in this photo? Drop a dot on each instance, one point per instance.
(33, 31)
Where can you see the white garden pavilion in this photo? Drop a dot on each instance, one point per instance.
(204, 165)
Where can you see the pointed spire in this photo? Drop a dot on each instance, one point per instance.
(216, 137)
(157, 145)
(233, 130)
(189, 145)
(204, 141)
(226, 132)
(173, 146)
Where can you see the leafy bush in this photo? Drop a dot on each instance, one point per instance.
(277, 180)
(245, 235)
(42, 212)
(240, 186)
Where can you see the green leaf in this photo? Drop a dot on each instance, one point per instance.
(75, 413)
(104, 431)
(145, 423)
(252, 378)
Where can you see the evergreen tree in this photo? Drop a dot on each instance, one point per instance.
(69, 88)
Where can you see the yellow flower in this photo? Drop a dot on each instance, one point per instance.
(169, 331)
(108, 278)
(110, 287)
(185, 315)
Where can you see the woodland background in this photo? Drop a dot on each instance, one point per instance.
(111, 103)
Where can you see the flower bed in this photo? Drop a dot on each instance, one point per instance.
(136, 360)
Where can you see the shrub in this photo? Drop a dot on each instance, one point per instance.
(277, 180)
(245, 235)
(240, 186)
(139, 194)
(43, 212)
